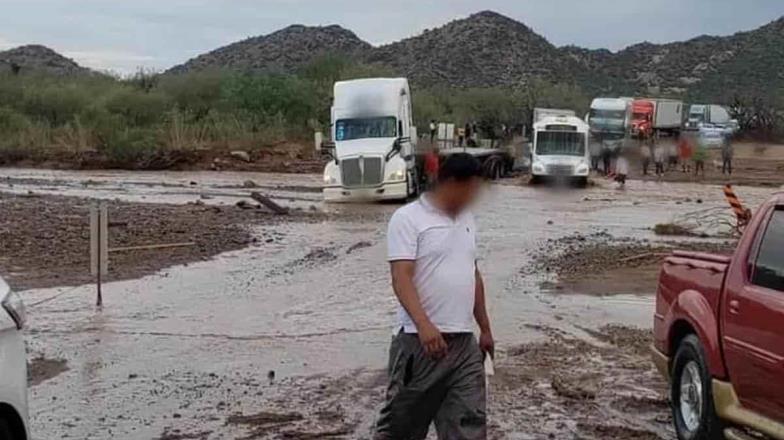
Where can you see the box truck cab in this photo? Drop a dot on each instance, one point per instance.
(650, 117)
(374, 141)
(560, 149)
(609, 121)
(700, 114)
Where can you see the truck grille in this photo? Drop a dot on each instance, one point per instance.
(362, 171)
(560, 170)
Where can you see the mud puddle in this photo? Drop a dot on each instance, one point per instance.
(41, 369)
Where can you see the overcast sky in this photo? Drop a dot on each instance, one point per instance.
(122, 35)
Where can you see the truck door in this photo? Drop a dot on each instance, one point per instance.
(754, 322)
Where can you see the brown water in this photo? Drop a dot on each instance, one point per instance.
(193, 344)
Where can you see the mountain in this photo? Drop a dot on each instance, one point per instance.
(485, 49)
(489, 49)
(283, 51)
(36, 58)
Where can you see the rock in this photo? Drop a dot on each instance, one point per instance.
(249, 184)
(241, 155)
(359, 245)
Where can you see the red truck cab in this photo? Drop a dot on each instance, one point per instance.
(643, 112)
(719, 334)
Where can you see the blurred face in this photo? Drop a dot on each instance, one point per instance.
(460, 195)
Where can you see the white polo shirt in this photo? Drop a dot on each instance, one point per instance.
(444, 252)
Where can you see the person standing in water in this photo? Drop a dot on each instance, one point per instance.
(436, 365)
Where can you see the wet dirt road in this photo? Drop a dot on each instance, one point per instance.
(288, 340)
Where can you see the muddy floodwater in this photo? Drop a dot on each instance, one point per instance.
(288, 340)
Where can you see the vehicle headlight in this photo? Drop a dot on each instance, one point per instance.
(397, 176)
(329, 178)
(538, 167)
(13, 304)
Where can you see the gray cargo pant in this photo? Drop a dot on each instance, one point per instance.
(449, 391)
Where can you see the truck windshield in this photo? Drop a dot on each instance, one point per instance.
(562, 143)
(363, 128)
(608, 114)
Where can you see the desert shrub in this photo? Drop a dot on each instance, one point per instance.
(137, 107)
(195, 94)
(55, 103)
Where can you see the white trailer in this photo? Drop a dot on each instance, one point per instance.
(668, 114)
(373, 142)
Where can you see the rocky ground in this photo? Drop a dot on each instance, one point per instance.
(600, 264)
(598, 386)
(45, 239)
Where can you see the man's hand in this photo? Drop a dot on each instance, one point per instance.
(487, 344)
(432, 340)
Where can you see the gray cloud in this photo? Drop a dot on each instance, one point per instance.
(123, 36)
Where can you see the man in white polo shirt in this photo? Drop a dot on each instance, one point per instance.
(436, 371)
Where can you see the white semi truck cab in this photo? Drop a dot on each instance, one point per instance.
(609, 121)
(373, 157)
(560, 149)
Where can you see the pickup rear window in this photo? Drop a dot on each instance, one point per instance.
(769, 268)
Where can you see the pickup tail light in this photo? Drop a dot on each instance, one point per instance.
(13, 304)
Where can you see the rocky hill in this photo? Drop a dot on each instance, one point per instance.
(283, 51)
(489, 49)
(36, 58)
(485, 49)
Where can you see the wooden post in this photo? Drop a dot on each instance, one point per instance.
(99, 246)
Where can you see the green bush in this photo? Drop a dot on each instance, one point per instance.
(137, 107)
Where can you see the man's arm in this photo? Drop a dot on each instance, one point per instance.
(405, 290)
(486, 342)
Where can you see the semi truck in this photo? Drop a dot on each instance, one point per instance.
(719, 334)
(652, 117)
(560, 149)
(372, 151)
(609, 120)
(700, 114)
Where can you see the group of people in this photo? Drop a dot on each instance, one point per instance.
(658, 158)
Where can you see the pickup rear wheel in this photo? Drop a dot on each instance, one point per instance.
(691, 394)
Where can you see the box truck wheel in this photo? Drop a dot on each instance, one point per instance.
(691, 394)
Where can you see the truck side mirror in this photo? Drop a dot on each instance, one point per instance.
(396, 147)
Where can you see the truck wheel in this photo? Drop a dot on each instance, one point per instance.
(413, 186)
(691, 394)
(6, 432)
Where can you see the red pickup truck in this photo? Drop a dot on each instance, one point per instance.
(719, 334)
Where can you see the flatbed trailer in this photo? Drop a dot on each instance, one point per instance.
(496, 162)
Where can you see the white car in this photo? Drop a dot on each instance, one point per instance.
(13, 367)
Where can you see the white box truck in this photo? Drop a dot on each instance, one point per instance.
(560, 149)
(700, 114)
(373, 142)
